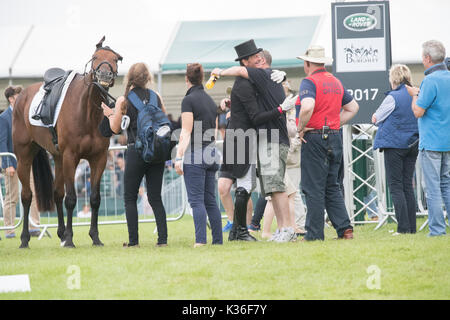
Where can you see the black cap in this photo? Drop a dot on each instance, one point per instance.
(246, 49)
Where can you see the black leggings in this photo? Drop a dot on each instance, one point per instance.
(135, 169)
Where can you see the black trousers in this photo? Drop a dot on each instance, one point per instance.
(135, 170)
(400, 165)
(259, 211)
(321, 160)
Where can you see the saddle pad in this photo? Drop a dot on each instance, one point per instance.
(38, 98)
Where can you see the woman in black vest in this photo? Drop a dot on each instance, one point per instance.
(137, 80)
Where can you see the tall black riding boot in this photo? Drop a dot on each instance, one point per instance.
(240, 215)
(233, 232)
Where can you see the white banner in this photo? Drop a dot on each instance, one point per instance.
(358, 55)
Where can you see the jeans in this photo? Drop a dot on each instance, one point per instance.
(135, 169)
(321, 160)
(200, 180)
(400, 165)
(436, 171)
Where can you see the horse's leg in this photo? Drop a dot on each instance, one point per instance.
(59, 196)
(23, 171)
(97, 167)
(70, 201)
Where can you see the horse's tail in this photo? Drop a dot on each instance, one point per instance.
(43, 181)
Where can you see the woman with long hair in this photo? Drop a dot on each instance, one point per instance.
(138, 80)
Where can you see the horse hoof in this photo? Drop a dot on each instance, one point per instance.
(24, 246)
(67, 244)
(98, 244)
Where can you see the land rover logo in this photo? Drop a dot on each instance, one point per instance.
(360, 22)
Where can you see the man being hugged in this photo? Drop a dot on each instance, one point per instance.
(270, 122)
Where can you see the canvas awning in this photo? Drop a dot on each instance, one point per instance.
(211, 43)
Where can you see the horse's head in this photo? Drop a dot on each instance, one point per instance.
(104, 65)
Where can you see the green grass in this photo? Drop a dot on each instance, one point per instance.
(411, 266)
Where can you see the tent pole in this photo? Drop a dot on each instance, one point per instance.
(160, 80)
(10, 69)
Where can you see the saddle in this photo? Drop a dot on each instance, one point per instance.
(54, 80)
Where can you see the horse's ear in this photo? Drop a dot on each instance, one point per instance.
(119, 57)
(100, 44)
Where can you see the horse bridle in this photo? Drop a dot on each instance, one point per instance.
(97, 74)
(109, 75)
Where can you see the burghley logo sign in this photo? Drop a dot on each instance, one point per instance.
(360, 22)
(361, 54)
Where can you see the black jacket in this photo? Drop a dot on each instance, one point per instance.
(246, 118)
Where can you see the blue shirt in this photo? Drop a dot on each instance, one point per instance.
(6, 144)
(385, 109)
(434, 97)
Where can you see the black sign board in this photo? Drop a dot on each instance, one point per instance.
(362, 52)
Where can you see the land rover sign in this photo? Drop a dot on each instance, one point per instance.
(362, 52)
(360, 22)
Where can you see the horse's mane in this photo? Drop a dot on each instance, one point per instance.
(119, 57)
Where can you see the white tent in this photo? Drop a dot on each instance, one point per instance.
(64, 33)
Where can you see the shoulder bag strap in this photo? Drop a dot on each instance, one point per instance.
(134, 99)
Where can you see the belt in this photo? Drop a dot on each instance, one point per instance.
(319, 131)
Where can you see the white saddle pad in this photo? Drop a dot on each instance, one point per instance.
(38, 98)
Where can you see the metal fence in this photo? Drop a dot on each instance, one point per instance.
(3, 192)
(112, 210)
(366, 191)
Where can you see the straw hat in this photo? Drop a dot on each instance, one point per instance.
(316, 54)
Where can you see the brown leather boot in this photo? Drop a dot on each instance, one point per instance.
(348, 234)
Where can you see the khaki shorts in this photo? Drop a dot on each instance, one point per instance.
(272, 168)
(290, 188)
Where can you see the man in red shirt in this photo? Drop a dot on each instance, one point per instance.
(325, 106)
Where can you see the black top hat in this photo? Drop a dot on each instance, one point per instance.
(246, 49)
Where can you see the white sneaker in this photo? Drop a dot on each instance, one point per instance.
(275, 235)
(286, 235)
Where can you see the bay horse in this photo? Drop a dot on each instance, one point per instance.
(78, 138)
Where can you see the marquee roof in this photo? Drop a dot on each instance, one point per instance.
(65, 32)
(211, 43)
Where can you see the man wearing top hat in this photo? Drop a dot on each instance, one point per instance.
(325, 106)
(273, 140)
(240, 138)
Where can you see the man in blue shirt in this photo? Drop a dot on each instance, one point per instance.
(8, 163)
(9, 166)
(431, 104)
